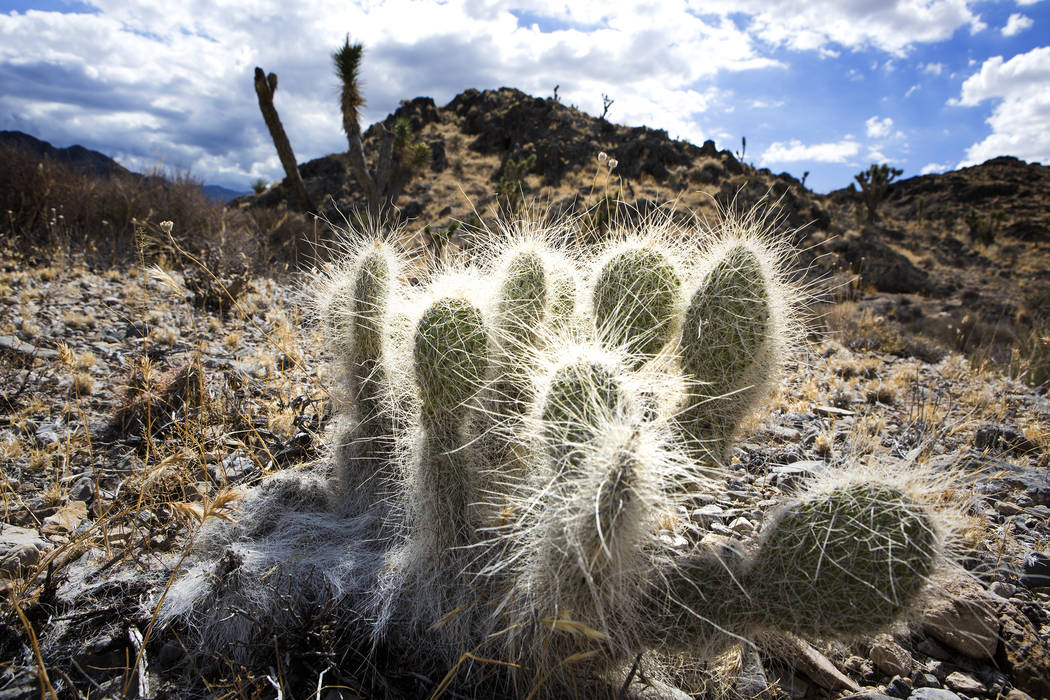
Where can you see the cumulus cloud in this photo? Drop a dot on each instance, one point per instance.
(1016, 24)
(878, 128)
(934, 168)
(794, 151)
(1020, 122)
(172, 82)
(894, 26)
(933, 68)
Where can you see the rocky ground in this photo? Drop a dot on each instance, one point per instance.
(134, 408)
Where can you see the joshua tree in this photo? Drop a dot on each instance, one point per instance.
(399, 155)
(874, 182)
(265, 87)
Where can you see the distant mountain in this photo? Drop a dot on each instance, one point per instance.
(222, 194)
(93, 162)
(78, 157)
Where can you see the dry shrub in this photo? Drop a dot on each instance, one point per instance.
(54, 211)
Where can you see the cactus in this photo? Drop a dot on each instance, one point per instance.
(356, 316)
(560, 573)
(729, 348)
(636, 299)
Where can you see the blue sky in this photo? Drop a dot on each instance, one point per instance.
(825, 86)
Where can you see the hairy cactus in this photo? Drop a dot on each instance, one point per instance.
(730, 347)
(636, 300)
(555, 578)
(356, 313)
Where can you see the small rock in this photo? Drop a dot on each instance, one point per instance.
(999, 436)
(1025, 657)
(816, 667)
(65, 519)
(47, 434)
(1002, 589)
(83, 489)
(705, 515)
(832, 411)
(655, 690)
(898, 688)
(788, 474)
(931, 648)
(964, 683)
(20, 548)
(933, 694)
(925, 679)
(742, 526)
(1008, 508)
(14, 346)
(1036, 570)
(891, 658)
(868, 694)
(1015, 694)
(964, 620)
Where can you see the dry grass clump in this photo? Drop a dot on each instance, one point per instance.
(52, 212)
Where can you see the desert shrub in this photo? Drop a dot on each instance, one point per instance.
(53, 209)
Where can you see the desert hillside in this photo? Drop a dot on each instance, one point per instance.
(159, 393)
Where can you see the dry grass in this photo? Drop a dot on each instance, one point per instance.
(52, 213)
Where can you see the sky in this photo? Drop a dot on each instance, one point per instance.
(820, 86)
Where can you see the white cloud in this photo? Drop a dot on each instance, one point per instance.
(1016, 24)
(888, 26)
(934, 168)
(794, 151)
(175, 79)
(933, 68)
(912, 90)
(1027, 2)
(1020, 123)
(878, 128)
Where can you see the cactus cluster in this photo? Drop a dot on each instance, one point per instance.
(551, 413)
(514, 439)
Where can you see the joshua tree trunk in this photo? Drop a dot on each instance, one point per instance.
(265, 87)
(347, 63)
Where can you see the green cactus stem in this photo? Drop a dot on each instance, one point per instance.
(726, 351)
(636, 302)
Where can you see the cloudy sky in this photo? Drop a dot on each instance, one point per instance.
(825, 86)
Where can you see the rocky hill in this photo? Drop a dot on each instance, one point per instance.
(954, 261)
(80, 158)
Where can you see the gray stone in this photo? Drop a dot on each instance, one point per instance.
(925, 680)
(891, 658)
(742, 526)
(999, 436)
(20, 548)
(964, 683)
(48, 434)
(1036, 570)
(13, 345)
(899, 687)
(788, 474)
(998, 477)
(705, 515)
(933, 694)
(1008, 508)
(818, 668)
(964, 619)
(83, 489)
